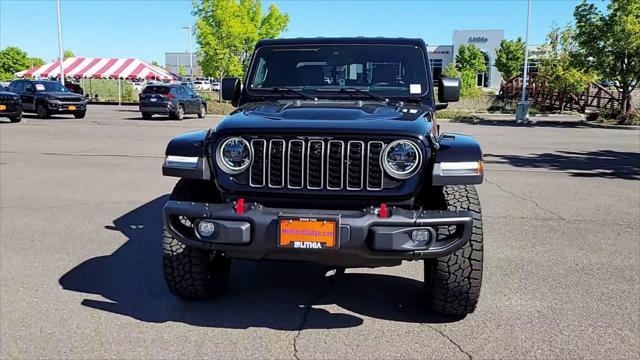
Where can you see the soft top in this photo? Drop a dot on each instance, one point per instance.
(343, 40)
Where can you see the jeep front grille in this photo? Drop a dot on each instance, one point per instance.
(316, 164)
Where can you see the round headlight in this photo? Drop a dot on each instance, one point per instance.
(401, 158)
(234, 155)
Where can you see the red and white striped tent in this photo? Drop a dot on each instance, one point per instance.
(99, 68)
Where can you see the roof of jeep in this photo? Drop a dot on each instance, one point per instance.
(343, 40)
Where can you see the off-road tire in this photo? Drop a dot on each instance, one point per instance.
(190, 272)
(146, 116)
(80, 115)
(202, 112)
(16, 119)
(452, 283)
(42, 112)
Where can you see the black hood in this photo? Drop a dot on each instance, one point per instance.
(326, 117)
(60, 94)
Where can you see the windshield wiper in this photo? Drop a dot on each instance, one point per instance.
(283, 89)
(350, 90)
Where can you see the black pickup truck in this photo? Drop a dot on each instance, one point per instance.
(45, 98)
(333, 156)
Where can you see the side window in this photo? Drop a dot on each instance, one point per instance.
(180, 90)
(17, 86)
(190, 91)
(28, 87)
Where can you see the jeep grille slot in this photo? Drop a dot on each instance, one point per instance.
(374, 170)
(276, 163)
(316, 164)
(296, 164)
(355, 165)
(257, 169)
(335, 165)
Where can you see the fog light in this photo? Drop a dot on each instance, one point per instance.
(422, 236)
(206, 228)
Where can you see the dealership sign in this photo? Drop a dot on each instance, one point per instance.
(478, 39)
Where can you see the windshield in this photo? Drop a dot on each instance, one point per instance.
(150, 89)
(49, 86)
(389, 70)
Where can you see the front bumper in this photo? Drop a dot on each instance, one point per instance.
(59, 107)
(11, 110)
(365, 239)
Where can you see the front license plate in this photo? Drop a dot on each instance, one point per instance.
(3, 107)
(308, 233)
(71, 107)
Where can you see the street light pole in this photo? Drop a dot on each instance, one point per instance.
(522, 115)
(188, 28)
(61, 54)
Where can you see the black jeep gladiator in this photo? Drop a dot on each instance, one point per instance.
(333, 156)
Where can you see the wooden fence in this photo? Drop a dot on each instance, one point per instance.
(595, 98)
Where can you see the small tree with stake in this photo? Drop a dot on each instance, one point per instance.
(558, 68)
(610, 43)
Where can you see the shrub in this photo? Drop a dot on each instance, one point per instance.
(219, 108)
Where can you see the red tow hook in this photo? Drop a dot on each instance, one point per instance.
(384, 212)
(240, 206)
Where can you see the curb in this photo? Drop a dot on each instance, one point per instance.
(610, 126)
(541, 121)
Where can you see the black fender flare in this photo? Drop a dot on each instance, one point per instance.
(458, 161)
(186, 156)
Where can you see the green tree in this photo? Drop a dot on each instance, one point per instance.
(155, 63)
(558, 66)
(67, 54)
(510, 58)
(227, 31)
(181, 71)
(610, 43)
(12, 60)
(469, 62)
(451, 71)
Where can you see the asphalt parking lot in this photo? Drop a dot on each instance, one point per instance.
(80, 273)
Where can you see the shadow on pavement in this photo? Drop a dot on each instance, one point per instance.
(599, 163)
(262, 293)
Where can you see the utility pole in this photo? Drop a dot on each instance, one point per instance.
(188, 28)
(61, 53)
(522, 114)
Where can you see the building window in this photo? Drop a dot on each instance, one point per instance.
(436, 68)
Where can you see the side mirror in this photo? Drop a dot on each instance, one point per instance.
(231, 89)
(449, 90)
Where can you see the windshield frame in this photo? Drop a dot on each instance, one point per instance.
(49, 82)
(336, 95)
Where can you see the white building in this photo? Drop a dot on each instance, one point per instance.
(486, 40)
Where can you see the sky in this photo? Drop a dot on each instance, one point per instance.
(146, 29)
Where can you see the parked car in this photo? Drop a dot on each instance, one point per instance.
(75, 88)
(355, 173)
(10, 105)
(46, 98)
(215, 86)
(173, 100)
(202, 85)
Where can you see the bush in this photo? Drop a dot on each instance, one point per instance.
(107, 90)
(455, 115)
(219, 108)
(615, 116)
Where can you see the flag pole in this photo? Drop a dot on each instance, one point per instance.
(60, 51)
